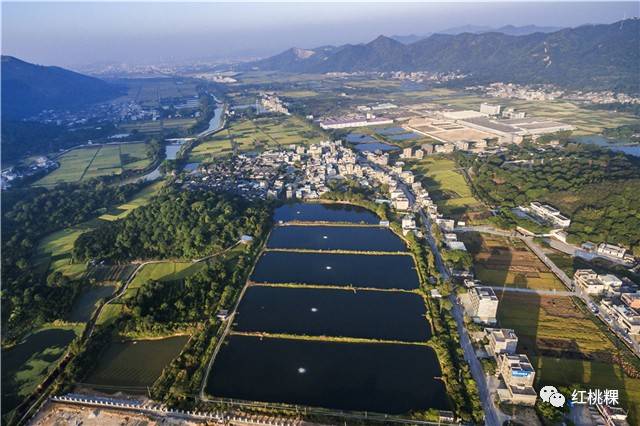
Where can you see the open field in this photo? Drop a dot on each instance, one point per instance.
(89, 162)
(565, 346)
(149, 92)
(54, 251)
(140, 199)
(448, 188)
(506, 262)
(25, 365)
(162, 271)
(298, 94)
(257, 134)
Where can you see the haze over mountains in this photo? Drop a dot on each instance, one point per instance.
(591, 56)
(28, 89)
(478, 29)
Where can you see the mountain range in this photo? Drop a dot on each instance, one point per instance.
(605, 56)
(27, 89)
(478, 29)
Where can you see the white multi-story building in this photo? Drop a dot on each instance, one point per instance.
(550, 214)
(518, 375)
(484, 304)
(587, 280)
(490, 109)
(502, 340)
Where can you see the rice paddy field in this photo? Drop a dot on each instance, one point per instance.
(255, 135)
(26, 364)
(507, 262)
(566, 346)
(448, 188)
(102, 160)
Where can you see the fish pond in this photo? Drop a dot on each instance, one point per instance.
(25, 365)
(385, 378)
(134, 364)
(370, 271)
(88, 300)
(316, 212)
(331, 312)
(355, 238)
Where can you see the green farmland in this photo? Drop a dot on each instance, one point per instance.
(566, 346)
(90, 162)
(257, 134)
(447, 186)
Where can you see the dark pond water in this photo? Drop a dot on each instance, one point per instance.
(87, 301)
(324, 213)
(610, 143)
(42, 349)
(374, 271)
(391, 131)
(375, 147)
(335, 238)
(403, 137)
(328, 312)
(360, 138)
(383, 378)
(135, 364)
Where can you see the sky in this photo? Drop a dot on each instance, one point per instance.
(76, 34)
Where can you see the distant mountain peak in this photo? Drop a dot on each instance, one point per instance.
(606, 54)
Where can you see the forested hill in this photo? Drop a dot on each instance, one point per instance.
(185, 225)
(591, 56)
(28, 89)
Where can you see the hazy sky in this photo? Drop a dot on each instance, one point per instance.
(80, 33)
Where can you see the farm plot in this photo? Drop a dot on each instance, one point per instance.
(110, 273)
(90, 162)
(72, 167)
(504, 262)
(566, 347)
(134, 156)
(448, 188)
